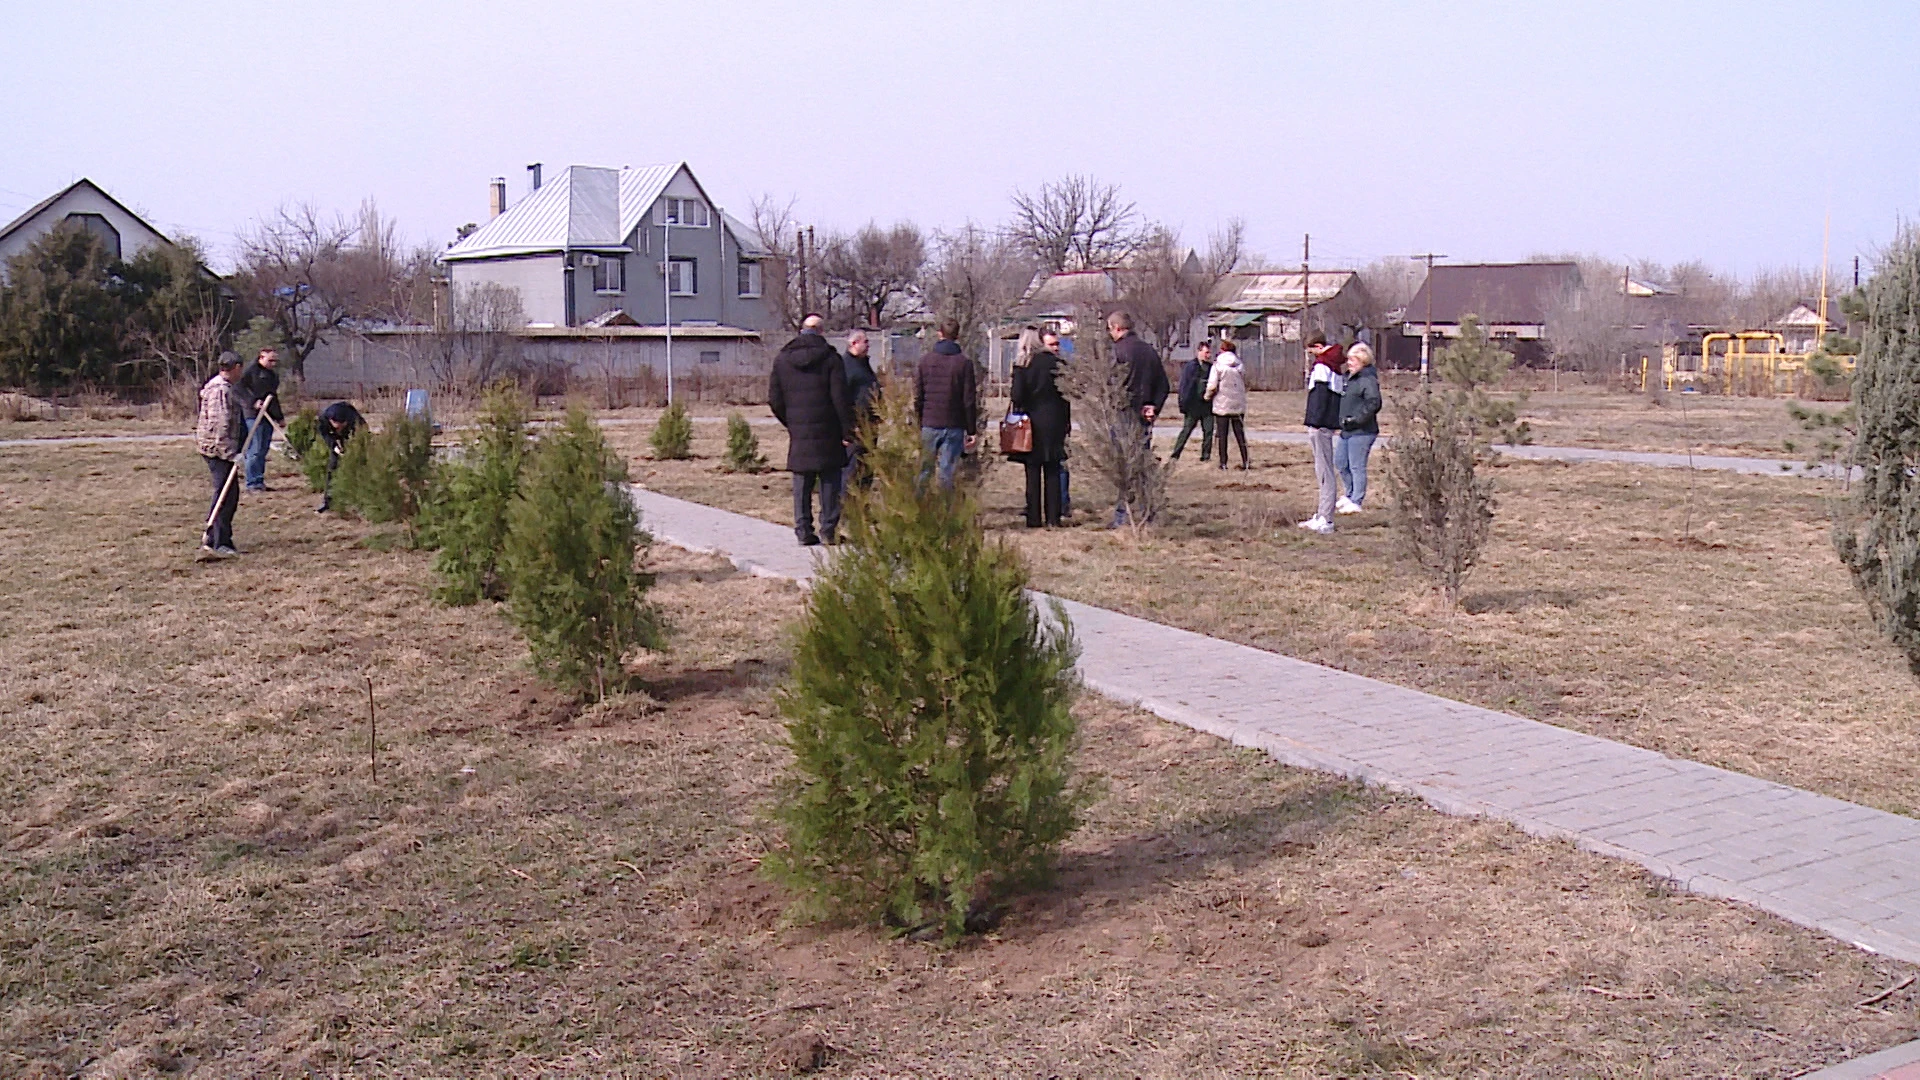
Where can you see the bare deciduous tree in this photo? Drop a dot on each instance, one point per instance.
(777, 226)
(873, 268)
(296, 269)
(1167, 285)
(1076, 223)
(479, 345)
(976, 277)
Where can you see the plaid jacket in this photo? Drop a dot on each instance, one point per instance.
(222, 425)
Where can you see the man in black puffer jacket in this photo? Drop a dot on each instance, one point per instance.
(808, 393)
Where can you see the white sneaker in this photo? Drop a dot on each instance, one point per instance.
(1317, 524)
(1346, 506)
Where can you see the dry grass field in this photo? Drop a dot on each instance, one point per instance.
(1726, 633)
(200, 876)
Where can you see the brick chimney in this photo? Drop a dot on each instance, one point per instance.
(497, 197)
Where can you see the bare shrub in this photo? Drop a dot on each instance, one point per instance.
(1442, 507)
(1113, 442)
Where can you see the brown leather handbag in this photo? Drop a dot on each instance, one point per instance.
(1016, 436)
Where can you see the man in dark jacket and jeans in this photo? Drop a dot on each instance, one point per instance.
(260, 390)
(1146, 387)
(863, 389)
(808, 393)
(1195, 407)
(944, 397)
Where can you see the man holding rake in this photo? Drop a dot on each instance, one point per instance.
(221, 433)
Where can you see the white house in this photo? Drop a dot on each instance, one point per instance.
(86, 204)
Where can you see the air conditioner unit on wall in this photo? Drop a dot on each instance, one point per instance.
(589, 259)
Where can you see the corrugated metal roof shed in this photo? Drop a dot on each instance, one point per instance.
(1278, 290)
(1512, 294)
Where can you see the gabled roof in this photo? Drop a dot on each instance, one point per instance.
(1278, 290)
(1061, 293)
(1502, 293)
(584, 208)
(1806, 313)
(35, 210)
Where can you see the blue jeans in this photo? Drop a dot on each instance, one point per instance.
(1350, 461)
(257, 445)
(946, 444)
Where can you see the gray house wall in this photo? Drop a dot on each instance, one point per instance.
(540, 280)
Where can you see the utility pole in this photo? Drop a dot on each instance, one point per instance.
(1856, 272)
(800, 242)
(1306, 297)
(666, 252)
(1426, 328)
(815, 246)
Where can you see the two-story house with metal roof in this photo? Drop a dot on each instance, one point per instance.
(639, 246)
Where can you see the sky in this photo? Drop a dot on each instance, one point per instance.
(1724, 132)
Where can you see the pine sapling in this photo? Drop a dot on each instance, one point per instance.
(673, 435)
(467, 516)
(1877, 530)
(384, 476)
(928, 710)
(1471, 367)
(743, 447)
(1442, 508)
(573, 535)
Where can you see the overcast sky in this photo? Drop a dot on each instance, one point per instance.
(1670, 131)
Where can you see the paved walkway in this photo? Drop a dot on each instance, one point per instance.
(1844, 869)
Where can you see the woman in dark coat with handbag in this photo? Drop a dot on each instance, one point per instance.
(1036, 393)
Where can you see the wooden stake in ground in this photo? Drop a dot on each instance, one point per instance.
(373, 734)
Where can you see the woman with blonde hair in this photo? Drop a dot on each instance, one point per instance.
(1359, 427)
(1037, 393)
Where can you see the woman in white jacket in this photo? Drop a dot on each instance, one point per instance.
(1227, 390)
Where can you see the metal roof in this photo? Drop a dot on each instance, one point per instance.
(583, 208)
(1512, 294)
(1278, 290)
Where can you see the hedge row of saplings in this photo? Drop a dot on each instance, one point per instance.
(928, 705)
(542, 524)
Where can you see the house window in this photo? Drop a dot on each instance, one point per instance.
(749, 278)
(100, 227)
(683, 277)
(675, 211)
(610, 276)
(710, 357)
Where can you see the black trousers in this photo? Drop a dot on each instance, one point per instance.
(831, 483)
(221, 506)
(1237, 425)
(1043, 493)
(1203, 421)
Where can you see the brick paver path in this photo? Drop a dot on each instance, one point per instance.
(1844, 869)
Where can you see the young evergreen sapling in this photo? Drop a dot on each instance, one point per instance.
(1877, 530)
(467, 517)
(384, 475)
(572, 537)
(743, 447)
(928, 710)
(673, 435)
(1441, 508)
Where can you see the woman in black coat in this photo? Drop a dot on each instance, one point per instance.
(1036, 393)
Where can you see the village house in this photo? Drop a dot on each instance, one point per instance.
(1512, 300)
(622, 276)
(86, 204)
